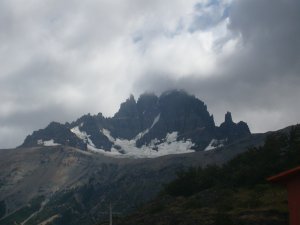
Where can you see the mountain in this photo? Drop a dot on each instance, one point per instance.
(174, 122)
(57, 176)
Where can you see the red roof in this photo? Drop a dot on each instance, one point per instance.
(284, 176)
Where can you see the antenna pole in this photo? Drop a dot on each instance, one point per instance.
(110, 214)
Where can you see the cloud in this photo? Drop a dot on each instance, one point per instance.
(256, 65)
(62, 59)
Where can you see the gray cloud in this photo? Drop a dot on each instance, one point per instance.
(260, 80)
(62, 59)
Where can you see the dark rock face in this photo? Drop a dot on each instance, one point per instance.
(147, 119)
(147, 106)
(182, 113)
(125, 123)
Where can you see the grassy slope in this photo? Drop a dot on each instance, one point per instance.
(262, 205)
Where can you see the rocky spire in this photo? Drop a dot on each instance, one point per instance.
(131, 98)
(228, 118)
(127, 108)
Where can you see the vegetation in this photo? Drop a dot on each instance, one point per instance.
(2, 208)
(235, 193)
(25, 212)
(280, 152)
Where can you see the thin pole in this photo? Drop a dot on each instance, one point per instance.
(110, 214)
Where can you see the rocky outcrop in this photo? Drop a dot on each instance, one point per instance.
(57, 133)
(232, 131)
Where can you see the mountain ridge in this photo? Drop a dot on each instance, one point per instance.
(174, 122)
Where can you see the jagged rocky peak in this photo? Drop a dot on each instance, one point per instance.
(127, 108)
(178, 104)
(232, 130)
(147, 102)
(228, 118)
(147, 106)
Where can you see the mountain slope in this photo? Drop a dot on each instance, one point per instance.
(75, 186)
(152, 126)
(235, 193)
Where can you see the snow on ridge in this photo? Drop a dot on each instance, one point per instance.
(83, 136)
(47, 143)
(80, 134)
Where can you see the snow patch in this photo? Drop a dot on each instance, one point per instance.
(50, 143)
(108, 135)
(47, 143)
(140, 135)
(155, 121)
(214, 143)
(171, 137)
(113, 152)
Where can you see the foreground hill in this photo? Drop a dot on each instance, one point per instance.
(234, 193)
(66, 185)
(173, 123)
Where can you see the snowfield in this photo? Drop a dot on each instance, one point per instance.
(127, 148)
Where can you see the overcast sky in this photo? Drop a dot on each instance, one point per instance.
(60, 59)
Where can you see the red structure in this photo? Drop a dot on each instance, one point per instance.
(291, 179)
